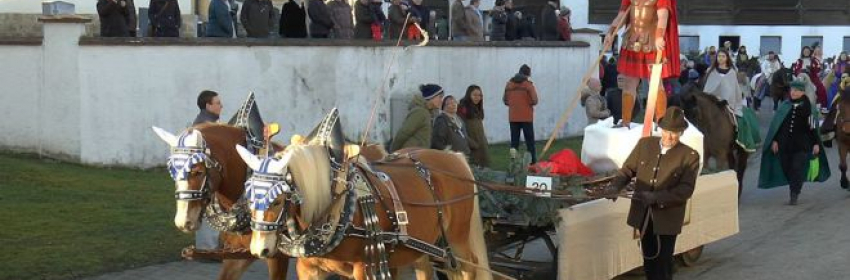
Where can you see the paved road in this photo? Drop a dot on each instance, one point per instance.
(777, 241)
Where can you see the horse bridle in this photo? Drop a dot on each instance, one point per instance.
(285, 185)
(192, 157)
(281, 183)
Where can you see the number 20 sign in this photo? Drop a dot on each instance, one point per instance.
(540, 183)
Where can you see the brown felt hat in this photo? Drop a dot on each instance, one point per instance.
(674, 120)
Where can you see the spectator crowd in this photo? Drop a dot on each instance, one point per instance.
(361, 19)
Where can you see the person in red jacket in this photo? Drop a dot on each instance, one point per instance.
(521, 97)
(565, 28)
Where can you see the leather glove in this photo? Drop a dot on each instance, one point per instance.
(611, 192)
(647, 197)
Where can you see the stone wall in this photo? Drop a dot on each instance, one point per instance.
(93, 100)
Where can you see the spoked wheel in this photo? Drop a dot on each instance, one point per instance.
(690, 257)
(510, 253)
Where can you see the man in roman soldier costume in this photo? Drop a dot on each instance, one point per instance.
(651, 26)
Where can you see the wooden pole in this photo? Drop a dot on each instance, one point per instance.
(654, 86)
(574, 101)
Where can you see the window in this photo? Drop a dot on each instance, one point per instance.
(735, 40)
(811, 41)
(846, 44)
(689, 45)
(770, 43)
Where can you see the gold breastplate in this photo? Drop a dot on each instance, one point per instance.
(643, 19)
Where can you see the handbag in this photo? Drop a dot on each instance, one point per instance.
(814, 169)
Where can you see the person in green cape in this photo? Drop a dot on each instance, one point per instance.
(793, 151)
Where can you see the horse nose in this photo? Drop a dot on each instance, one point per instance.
(264, 253)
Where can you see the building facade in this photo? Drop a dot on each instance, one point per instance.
(782, 26)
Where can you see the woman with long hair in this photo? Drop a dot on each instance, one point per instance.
(742, 60)
(811, 65)
(471, 110)
(722, 82)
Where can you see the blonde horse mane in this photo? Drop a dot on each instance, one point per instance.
(311, 171)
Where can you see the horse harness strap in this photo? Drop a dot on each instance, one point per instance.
(426, 175)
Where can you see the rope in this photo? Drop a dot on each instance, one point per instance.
(387, 75)
(574, 101)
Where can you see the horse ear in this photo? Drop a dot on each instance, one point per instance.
(352, 151)
(249, 158)
(169, 138)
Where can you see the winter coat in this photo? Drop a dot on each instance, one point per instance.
(258, 18)
(204, 117)
(460, 27)
(549, 24)
(292, 21)
(674, 175)
(478, 145)
(525, 30)
(164, 16)
(397, 18)
(113, 19)
(595, 106)
(132, 19)
(520, 97)
(449, 134)
(771, 174)
(220, 22)
(416, 130)
(364, 20)
(511, 25)
(565, 30)
(343, 21)
(320, 18)
(499, 21)
(474, 24)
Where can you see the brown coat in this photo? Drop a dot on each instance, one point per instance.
(477, 138)
(520, 96)
(677, 172)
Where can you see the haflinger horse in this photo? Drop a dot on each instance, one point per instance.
(320, 201)
(842, 128)
(209, 179)
(715, 122)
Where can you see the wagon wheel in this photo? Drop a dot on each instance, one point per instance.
(690, 257)
(511, 253)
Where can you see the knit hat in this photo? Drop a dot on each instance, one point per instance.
(525, 70)
(798, 85)
(674, 120)
(430, 91)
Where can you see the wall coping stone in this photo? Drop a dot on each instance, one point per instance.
(64, 19)
(286, 42)
(21, 41)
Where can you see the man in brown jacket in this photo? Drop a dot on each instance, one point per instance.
(521, 97)
(666, 172)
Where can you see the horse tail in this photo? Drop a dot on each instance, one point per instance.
(476, 242)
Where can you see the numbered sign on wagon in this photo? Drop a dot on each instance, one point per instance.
(539, 183)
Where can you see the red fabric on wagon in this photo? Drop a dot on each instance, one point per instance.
(564, 162)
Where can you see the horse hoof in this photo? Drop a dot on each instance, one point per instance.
(845, 183)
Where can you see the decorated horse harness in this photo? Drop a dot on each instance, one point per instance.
(351, 182)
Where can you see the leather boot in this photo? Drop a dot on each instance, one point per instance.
(628, 108)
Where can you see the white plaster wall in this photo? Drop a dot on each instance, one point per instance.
(125, 90)
(833, 36)
(19, 97)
